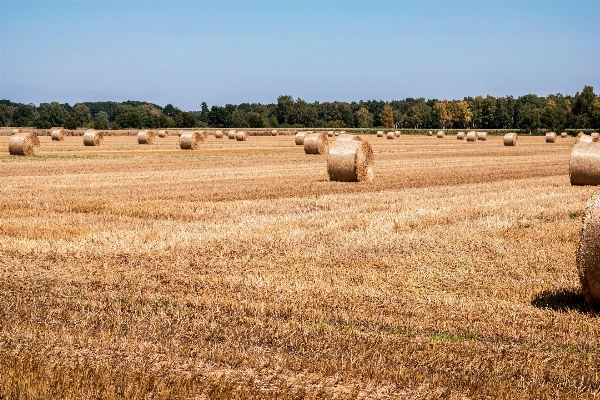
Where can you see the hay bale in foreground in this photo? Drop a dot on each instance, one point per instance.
(231, 134)
(330, 134)
(92, 138)
(23, 144)
(472, 136)
(460, 136)
(482, 136)
(550, 137)
(219, 134)
(441, 134)
(588, 253)
(58, 134)
(350, 161)
(299, 138)
(241, 136)
(584, 166)
(380, 134)
(510, 139)
(191, 140)
(274, 132)
(316, 143)
(390, 135)
(146, 137)
(429, 133)
(564, 135)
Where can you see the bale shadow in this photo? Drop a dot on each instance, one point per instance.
(563, 300)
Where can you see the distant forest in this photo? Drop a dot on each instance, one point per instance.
(526, 113)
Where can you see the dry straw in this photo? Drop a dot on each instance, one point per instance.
(146, 137)
(23, 144)
(58, 134)
(510, 139)
(16, 131)
(398, 133)
(92, 138)
(564, 135)
(347, 136)
(472, 136)
(163, 133)
(316, 143)
(330, 134)
(191, 140)
(584, 166)
(274, 132)
(460, 136)
(429, 133)
(482, 136)
(588, 253)
(580, 134)
(441, 134)
(594, 135)
(551, 137)
(380, 134)
(299, 139)
(390, 135)
(231, 134)
(350, 161)
(241, 136)
(219, 134)
(337, 133)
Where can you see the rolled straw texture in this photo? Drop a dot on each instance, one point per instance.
(482, 136)
(92, 138)
(146, 137)
(191, 140)
(241, 136)
(390, 135)
(380, 134)
(580, 134)
(472, 136)
(23, 144)
(274, 132)
(350, 161)
(588, 253)
(58, 134)
(584, 166)
(398, 133)
(219, 134)
(460, 136)
(299, 138)
(550, 137)
(330, 134)
(231, 134)
(347, 136)
(163, 133)
(510, 139)
(441, 134)
(595, 136)
(564, 135)
(337, 133)
(316, 143)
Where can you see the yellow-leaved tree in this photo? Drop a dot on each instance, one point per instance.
(387, 117)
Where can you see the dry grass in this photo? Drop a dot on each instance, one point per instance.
(240, 271)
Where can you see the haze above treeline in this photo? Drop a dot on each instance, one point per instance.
(526, 113)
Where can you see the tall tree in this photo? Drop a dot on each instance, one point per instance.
(364, 119)
(387, 116)
(81, 114)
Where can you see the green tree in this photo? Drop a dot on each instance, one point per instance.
(101, 120)
(70, 123)
(530, 118)
(285, 107)
(81, 114)
(419, 115)
(387, 116)
(53, 112)
(552, 116)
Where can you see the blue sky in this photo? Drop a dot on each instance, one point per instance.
(186, 52)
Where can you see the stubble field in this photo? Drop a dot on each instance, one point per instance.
(239, 271)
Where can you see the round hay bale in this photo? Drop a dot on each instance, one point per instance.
(23, 144)
(58, 134)
(472, 136)
(441, 134)
(191, 140)
(146, 137)
(429, 133)
(241, 136)
(594, 135)
(219, 134)
(348, 136)
(380, 134)
(15, 131)
(584, 166)
(510, 139)
(551, 137)
(482, 136)
(460, 136)
(330, 134)
(390, 135)
(92, 138)
(316, 143)
(580, 134)
(300, 138)
(274, 132)
(398, 133)
(350, 161)
(564, 135)
(588, 254)
(337, 134)
(163, 133)
(231, 134)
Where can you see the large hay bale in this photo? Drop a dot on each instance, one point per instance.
(241, 136)
(146, 137)
(551, 137)
(441, 134)
(316, 143)
(588, 253)
(390, 135)
(274, 132)
(191, 140)
(564, 135)
(429, 133)
(219, 134)
(231, 134)
(350, 161)
(482, 136)
(380, 134)
(92, 138)
(510, 139)
(584, 166)
(398, 133)
(58, 134)
(472, 136)
(23, 144)
(460, 136)
(299, 138)
(163, 133)
(330, 134)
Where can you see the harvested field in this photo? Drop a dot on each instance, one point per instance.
(239, 271)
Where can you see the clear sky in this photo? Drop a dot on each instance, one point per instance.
(186, 52)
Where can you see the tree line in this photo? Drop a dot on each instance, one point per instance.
(526, 113)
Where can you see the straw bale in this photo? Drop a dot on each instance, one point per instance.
(441, 134)
(584, 166)
(337, 133)
(241, 136)
(163, 133)
(231, 134)
(482, 136)
(380, 134)
(146, 137)
(588, 253)
(510, 139)
(316, 143)
(398, 133)
(348, 136)
(92, 138)
(551, 137)
(219, 134)
(23, 144)
(564, 135)
(460, 136)
(16, 131)
(191, 140)
(300, 138)
(390, 135)
(580, 134)
(330, 134)
(58, 134)
(472, 136)
(350, 161)
(594, 136)
(429, 133)
(274, 132)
